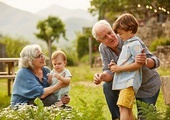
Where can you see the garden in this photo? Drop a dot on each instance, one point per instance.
(87, 101)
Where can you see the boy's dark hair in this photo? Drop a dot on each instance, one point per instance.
(126, 22)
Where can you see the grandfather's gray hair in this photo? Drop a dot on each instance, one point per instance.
(100, 22)
(27, 54)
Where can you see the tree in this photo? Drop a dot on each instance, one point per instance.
(83, 44)
(50, 30)
(144, 9)
(13, 46)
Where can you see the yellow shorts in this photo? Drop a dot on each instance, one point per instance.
(126, 97)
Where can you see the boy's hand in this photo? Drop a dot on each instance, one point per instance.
(112, 62)
(114, 68)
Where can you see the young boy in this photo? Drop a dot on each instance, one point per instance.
(60, 74)
(128, 74)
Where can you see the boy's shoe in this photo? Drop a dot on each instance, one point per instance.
(64, 106)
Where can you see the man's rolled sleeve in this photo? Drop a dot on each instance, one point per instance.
(157, 61)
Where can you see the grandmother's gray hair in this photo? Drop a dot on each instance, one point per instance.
(27, 54)
(100, 22)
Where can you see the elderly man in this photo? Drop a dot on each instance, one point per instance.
(110, 49)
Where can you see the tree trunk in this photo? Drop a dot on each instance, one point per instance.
(49, 54)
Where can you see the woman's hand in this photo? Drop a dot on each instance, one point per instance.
(49, 78)
(57, 76)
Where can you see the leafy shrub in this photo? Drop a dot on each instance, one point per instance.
(30, 112)
(82, 46)
(71, 58)
(39, 112)
(160, 41)
(149, 112)
(167, 114)
(93, 111)
(13, 46)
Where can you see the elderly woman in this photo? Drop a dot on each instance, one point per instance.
(32, 79)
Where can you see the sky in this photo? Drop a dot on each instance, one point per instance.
(34, 6)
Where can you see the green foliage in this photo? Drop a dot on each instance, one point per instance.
(163, 71)
(71, 60)
(71, 54)
(167, 114)
(148, 111)
(4, 103)
(109, 9)
(85, 59)
(39, 112)
(30, 112)
(104, 8)
(13, 46)
(160, 41)
(92, 111)
(82, 45)
(50, 29)
(82, 89)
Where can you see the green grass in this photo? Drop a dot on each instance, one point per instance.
(164, 72)
(4, 98)
(82, 87)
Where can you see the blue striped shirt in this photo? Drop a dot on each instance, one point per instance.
(126, 79)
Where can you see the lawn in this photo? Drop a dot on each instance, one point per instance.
(82, 88)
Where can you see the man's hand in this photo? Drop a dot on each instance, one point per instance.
(141, 57)
(102, 77)
(97, 78)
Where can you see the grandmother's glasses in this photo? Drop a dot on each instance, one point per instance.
(42, 55)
